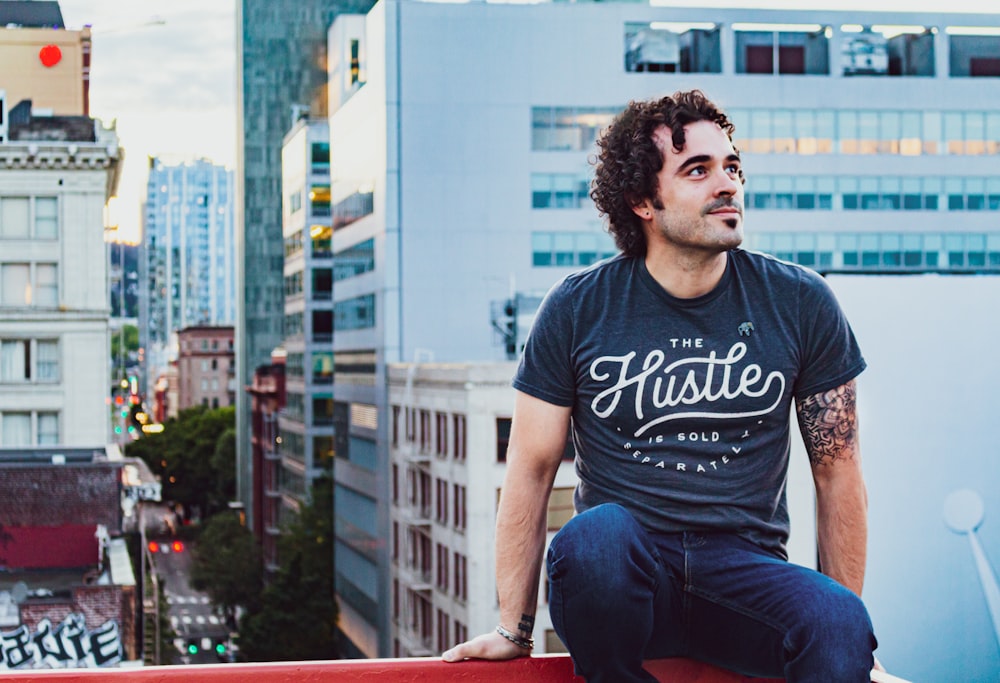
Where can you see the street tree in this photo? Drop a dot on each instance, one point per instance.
(226, 564)
(297, 619)
(191, 457)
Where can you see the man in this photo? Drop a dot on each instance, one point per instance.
(678, 361)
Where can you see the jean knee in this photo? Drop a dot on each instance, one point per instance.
(602, 544)
(839, 632)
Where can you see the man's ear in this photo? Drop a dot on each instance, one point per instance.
(644, 209)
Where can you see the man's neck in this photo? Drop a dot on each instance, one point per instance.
(686, 274)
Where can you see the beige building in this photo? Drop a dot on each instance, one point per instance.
(42, 61)
(206, 370)
(448, 445)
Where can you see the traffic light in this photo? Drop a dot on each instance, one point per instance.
(153, 546)
(177, 547)
(220, 651)
(192, 648)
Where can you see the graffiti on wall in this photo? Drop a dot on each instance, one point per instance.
(70, 644)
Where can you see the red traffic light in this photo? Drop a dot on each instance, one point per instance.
(177, 546)
(153, 546)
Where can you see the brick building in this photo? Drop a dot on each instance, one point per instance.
(67, 590)
(206, 369)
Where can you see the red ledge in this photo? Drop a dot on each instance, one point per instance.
(538, 669)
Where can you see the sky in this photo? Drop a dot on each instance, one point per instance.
(165, 72)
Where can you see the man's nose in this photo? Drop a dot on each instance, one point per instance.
(727, 185)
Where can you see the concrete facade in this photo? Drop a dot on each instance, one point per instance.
(55, 302)
(474, 168)
(449, 426)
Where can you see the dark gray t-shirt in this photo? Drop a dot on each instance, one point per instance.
(681, 407)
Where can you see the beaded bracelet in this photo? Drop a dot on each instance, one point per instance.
(526, 643)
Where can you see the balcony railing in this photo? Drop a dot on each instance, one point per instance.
(537, 669)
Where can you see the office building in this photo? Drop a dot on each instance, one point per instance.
(281, 71)
(460, 137)
(187, 269)
(306, 423)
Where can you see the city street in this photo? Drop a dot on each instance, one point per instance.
(199, 629)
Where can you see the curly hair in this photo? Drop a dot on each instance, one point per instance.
(629, 160)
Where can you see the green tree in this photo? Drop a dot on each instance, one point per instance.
(297, 619)
(191, 458)
(124, 347)
(224, 464)
(226, 564)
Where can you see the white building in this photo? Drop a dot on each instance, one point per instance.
(460, 136)
(450, 424)
(56, 174)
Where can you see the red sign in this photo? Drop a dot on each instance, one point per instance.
(50, 55)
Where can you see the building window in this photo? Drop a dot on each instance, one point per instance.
(28, 428)
(354, 261)
(461, 632)
(568, 128)
(442, 501)
(503, 438)
(442, 567)
(395, 540)
(441, 435)
(395, 484)
(395, 426)
(885, 252)
(672, 47)
(425, 431)
(15, 221)
(559, 190)
(443, 630)
(355, 314)
(560, 508)
(16, 429)
(569, 249)
(319, 200)
(461, 580)
(459, 423)
(459, 504)
(48, 429)
(25, 360)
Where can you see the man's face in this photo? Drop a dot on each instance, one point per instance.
(699, 203)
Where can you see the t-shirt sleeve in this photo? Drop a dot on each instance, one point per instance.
(546, 367)
(830, 353)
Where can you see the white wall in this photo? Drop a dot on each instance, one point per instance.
(929, 421)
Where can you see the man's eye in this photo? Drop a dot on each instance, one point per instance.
(697, 170)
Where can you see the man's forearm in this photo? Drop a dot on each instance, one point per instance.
(520, 539)
(842, 529)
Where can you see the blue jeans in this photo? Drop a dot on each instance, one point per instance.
(619, 595)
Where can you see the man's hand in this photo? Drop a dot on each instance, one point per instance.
(490, 645)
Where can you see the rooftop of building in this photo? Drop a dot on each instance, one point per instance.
(27, 126)
(30, 14)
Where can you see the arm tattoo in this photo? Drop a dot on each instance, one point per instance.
(527, 624)
(829, 424)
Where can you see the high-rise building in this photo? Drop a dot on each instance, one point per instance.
(306, 423)
(187, 269)
(460, 137)
(281, 72)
